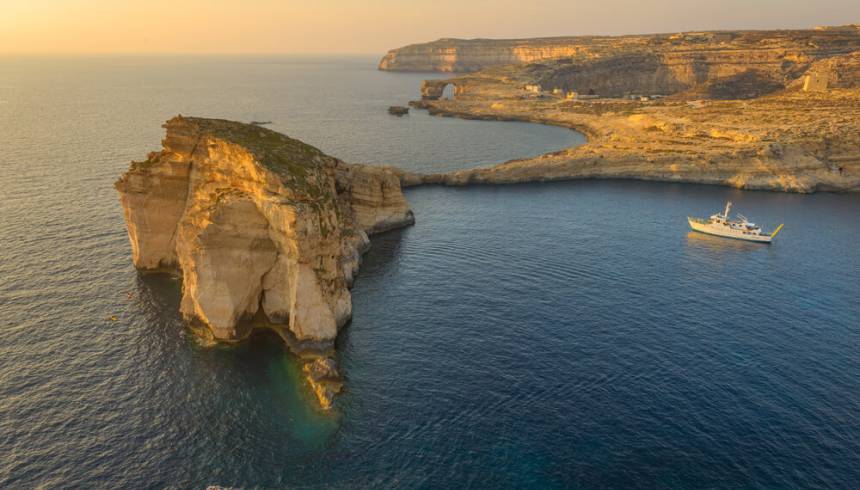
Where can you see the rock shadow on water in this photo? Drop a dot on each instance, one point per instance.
(157, 296)
(263, 365)
(255, 382)
(281, 382)
(385, 250)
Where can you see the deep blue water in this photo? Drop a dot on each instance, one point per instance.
(557, 335)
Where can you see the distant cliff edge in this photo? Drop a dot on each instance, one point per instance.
(693, 49)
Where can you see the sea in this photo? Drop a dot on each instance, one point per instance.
(558, 335)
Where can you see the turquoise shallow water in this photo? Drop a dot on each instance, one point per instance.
(559, 335)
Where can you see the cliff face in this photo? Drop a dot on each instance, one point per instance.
(803, 138)
(694, 51)
(257, 224)
(830, 73)
(465, 55)
(721, 74)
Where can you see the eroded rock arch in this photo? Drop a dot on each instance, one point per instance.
(224, 261)
(435, 89)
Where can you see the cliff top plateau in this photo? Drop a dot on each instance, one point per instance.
(466, 55)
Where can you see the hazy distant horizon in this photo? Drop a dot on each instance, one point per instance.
(62, 27)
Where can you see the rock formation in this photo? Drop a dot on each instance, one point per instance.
(264, 229)
(688, 55)
(324, 379)
(433, 89)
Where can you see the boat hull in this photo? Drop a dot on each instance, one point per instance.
(726, 232)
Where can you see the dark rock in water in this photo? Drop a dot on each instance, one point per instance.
(398, 111)
(260, 123)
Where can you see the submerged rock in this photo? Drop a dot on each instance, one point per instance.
(322, 368)
(398, 111)
(258, 224)
(324, 380)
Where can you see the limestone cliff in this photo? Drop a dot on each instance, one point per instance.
(260, 226)
(713, 65)
(831, 73)
(688, 55)
(802, 138)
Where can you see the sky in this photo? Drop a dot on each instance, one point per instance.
(370, 26)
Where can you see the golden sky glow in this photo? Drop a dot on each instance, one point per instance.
(370, 26)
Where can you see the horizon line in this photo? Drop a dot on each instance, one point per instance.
(382, 52)
(189, 53)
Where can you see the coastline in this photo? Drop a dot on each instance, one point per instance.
(765, 110)
(621, 144)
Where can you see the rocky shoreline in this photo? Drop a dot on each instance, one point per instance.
(803, 136)
(739, 160)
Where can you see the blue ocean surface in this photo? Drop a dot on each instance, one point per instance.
(565, 335)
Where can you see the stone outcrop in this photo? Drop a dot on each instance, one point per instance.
(264, 229)
(324, 379)
(725, 132)
(688, 55)
(434, 89)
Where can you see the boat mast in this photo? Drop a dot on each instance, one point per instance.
(728, 207)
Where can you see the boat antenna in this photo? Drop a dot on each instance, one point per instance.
(728, 207)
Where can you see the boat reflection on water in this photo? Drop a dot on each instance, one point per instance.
(712, 242)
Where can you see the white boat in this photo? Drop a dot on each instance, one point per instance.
(741, 229)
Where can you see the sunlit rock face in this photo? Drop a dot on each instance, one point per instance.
(257, 224)
(832, 73)
(752, 129)
(661, 62)
(716, 75)
(434, 89)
